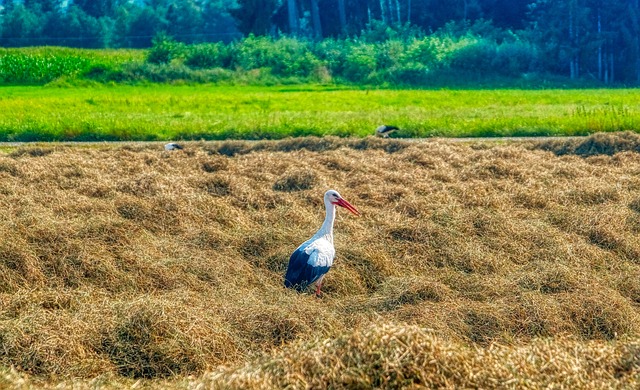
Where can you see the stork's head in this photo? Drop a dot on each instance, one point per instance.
(333, 197)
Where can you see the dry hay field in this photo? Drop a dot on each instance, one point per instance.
(474, 264)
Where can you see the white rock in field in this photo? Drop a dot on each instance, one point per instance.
(173, 146)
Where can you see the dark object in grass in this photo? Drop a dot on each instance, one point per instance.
(385, 130)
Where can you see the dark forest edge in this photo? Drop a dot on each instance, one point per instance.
(586, 41)
(383, 58)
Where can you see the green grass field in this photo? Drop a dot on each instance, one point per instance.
(163, 112)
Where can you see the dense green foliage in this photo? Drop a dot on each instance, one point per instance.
(442, 59)
(578, 39)
(162, 112)
(44, 64)
(112, 23)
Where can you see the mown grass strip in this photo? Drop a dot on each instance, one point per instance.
(159, 112)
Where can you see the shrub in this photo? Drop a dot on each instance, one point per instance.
(332, 53)
(398, 55)
(423, 51)
(293, 57)
(208, 55)
(476, 56)
(413, 73)
(515, 58)
(360, 62)
(164, 49)
(378, 31)
(285, 56)
(252, 52)
(390, 54)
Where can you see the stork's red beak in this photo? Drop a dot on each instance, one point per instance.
(343, 203)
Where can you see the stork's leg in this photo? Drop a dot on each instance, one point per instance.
(319, 286)
(318, 292)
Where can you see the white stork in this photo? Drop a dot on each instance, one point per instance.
(173, 146)
(385, 130)
(312, 260)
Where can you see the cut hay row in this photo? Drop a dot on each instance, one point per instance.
(393, 357)
(129, 262)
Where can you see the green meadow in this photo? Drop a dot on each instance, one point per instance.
(174, 112)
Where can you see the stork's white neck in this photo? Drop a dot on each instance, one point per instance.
(326, 230)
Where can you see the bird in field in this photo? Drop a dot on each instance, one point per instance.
(173, 146)
(311, 261)
(385, 130)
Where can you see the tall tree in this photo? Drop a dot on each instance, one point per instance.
(219, 25)
(620, 34)
(292, 13)
(510, 14)
(73, 27)
(631, 31)
(315, 18)
(254, 16)
(184, 21)
(141, 24)
(562, 31)
(342, 16)
(20, 26)
(97, 8)
(43, 5)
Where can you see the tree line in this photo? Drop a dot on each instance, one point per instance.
(113, 23)
(580, 39)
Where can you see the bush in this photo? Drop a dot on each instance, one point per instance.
(332, 53)
(164, 50)
(208, 55)
(360, 62)
(403, 57)
(515, 58)
(477, 56)
(378, 31)
(390, 54)
(423, 51)
(285, 56)
(413, 73)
